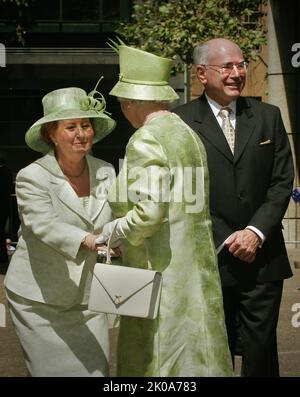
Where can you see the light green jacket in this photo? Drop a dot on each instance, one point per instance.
(49, 264)
(174, 234)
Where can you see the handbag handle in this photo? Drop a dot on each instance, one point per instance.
(108, 258)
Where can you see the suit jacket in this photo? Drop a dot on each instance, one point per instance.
(50, 265)
(251, 187)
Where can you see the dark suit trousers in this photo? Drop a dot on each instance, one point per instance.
(251, 319)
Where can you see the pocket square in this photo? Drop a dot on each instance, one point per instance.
(265, 142)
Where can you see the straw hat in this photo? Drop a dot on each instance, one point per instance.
(70, 103)
(143, 76)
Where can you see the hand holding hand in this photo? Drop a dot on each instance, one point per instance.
(114, 252)
(243, 244)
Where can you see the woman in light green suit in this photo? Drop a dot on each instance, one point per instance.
(62, 201)
(160, 201)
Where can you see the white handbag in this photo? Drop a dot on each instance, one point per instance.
(123, 290)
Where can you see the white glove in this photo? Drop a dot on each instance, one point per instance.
(118, 234)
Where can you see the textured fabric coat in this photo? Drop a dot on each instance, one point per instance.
(49, 264)
(162, 195)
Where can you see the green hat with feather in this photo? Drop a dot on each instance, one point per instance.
(143, 76)
(71, 103)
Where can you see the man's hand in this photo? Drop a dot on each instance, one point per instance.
(243, 244)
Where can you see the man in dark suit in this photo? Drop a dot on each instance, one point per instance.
(251, 176)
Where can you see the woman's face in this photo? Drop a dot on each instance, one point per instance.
(73, 137)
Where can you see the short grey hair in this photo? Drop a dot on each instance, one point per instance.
(201, 54)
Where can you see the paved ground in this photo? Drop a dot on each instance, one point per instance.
(12, 364)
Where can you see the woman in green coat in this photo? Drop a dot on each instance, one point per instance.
(160, 202)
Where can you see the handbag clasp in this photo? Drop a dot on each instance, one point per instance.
(118, 299)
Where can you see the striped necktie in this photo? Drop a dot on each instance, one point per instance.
(227, 127)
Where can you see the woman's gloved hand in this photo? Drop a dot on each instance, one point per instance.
(113, 228)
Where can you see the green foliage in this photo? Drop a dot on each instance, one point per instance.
(172, 28)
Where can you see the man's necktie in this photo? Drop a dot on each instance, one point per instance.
(227, 127)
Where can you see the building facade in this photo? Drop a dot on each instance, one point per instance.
(65, 44)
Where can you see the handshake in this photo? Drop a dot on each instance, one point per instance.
(111, 230)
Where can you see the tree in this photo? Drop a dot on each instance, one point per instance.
(171, 28)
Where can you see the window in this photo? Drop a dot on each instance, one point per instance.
(68, 10)
(80, 10)
(40, 12)
(111, 10)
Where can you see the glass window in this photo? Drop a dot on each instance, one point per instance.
(40, 11)
(111, 9)
(8, 11)
(80, 9)
(68, 10)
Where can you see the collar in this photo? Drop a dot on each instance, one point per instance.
(215, 107)
(158, 113)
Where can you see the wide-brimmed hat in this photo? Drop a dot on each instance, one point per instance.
(70, 103)
(143, 76)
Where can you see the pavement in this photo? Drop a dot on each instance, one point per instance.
(12, 363)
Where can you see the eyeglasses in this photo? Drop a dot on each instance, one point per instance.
(227, 68)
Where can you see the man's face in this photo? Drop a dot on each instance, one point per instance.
(225, 76)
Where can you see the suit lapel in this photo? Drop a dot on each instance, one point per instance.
(209, 128)
(245, 124)
(67, 195)
(100, 179)
(61, 186)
